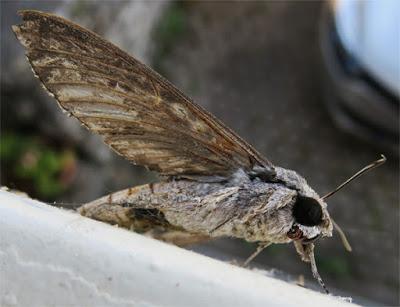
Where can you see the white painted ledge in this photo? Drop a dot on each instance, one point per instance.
(52, 257)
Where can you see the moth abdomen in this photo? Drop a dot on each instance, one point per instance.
(153, 217)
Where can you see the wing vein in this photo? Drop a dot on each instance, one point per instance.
(141, 115)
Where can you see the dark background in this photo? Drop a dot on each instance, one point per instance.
(256, 66)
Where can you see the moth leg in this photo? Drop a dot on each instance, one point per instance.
(260, 248)
(306, 253)
(309, 250)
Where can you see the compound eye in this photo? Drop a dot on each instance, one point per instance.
(295, 233)
(307, 211)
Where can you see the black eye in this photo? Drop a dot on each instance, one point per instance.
(307, 211)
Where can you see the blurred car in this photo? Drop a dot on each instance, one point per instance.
(360, 52)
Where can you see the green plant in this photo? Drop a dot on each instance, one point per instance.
(27, 159)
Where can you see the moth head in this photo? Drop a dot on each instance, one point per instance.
(310, 214)
(311, 220)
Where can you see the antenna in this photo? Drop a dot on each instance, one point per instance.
(345, 242)
(356, 175)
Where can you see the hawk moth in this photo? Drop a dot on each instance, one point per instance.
(214, 184)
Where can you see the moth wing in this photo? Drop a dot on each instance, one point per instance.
(139, 114)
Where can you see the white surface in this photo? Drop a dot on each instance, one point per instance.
(370, 31)
(51, 257)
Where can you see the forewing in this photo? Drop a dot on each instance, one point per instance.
(139, 114)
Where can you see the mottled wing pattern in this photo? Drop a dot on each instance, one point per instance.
(139, 114)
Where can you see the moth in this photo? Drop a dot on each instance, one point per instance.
(214, 184)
